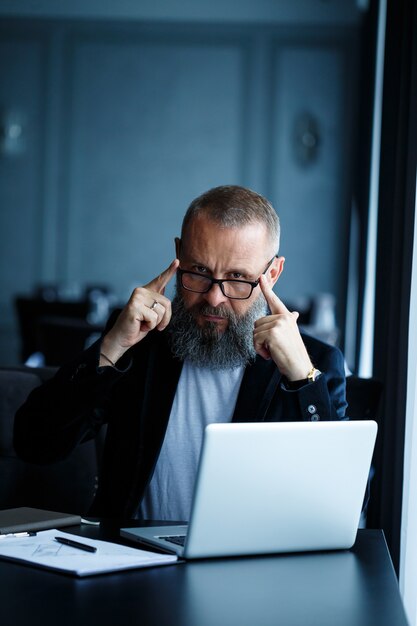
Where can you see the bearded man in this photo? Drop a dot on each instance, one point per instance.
(225, 350)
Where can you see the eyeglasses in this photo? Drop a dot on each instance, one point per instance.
(231, 288)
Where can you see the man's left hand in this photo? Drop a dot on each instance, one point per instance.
(277, 336)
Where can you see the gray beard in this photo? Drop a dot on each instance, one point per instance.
(206, 346)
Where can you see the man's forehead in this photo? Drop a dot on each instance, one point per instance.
(202, 230)
(225, 249)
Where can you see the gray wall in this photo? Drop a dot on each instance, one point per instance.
(124, 123)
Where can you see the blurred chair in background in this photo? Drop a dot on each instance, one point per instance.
(68, 485)
(53, 329)
(59, 339)
(30, 310)
(364, 397)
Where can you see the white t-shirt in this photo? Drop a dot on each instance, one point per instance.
(203, 396)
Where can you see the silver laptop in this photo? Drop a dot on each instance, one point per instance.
(273, 487)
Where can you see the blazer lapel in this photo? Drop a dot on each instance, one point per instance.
(258, 385)
(162, 380)
(162, 375)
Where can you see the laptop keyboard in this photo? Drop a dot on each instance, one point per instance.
(179, 540)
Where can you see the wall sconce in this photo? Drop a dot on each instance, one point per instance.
(12, 136)
(307, 139)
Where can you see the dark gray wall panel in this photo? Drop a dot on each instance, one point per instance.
(21, 103)
(151, 125)
(310, 195)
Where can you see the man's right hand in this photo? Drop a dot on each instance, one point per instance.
(146, 310)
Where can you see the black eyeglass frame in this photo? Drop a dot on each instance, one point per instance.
(220, 281)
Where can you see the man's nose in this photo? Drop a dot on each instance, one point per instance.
(215, 296)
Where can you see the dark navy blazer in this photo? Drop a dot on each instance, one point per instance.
(135, 401)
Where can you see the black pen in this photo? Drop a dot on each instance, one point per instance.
(76, 544)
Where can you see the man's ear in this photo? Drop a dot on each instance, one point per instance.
(177, 247)
(275, 270)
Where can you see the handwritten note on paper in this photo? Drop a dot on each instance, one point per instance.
(42, 550)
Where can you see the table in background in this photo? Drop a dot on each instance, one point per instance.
(357, 587)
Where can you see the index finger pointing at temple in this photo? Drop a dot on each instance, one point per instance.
(160, 282)
(276, 305)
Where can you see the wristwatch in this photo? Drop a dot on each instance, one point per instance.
(297, 384)
(313, 374)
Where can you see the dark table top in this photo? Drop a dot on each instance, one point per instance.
(356, 587)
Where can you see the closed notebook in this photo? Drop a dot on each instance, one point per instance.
(28, 519)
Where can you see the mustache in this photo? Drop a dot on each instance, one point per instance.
(206, 309)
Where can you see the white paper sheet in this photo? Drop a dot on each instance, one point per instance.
(43, 551)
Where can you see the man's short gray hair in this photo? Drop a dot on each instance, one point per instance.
(232, 206)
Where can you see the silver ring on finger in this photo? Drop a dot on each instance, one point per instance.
(153, 305)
